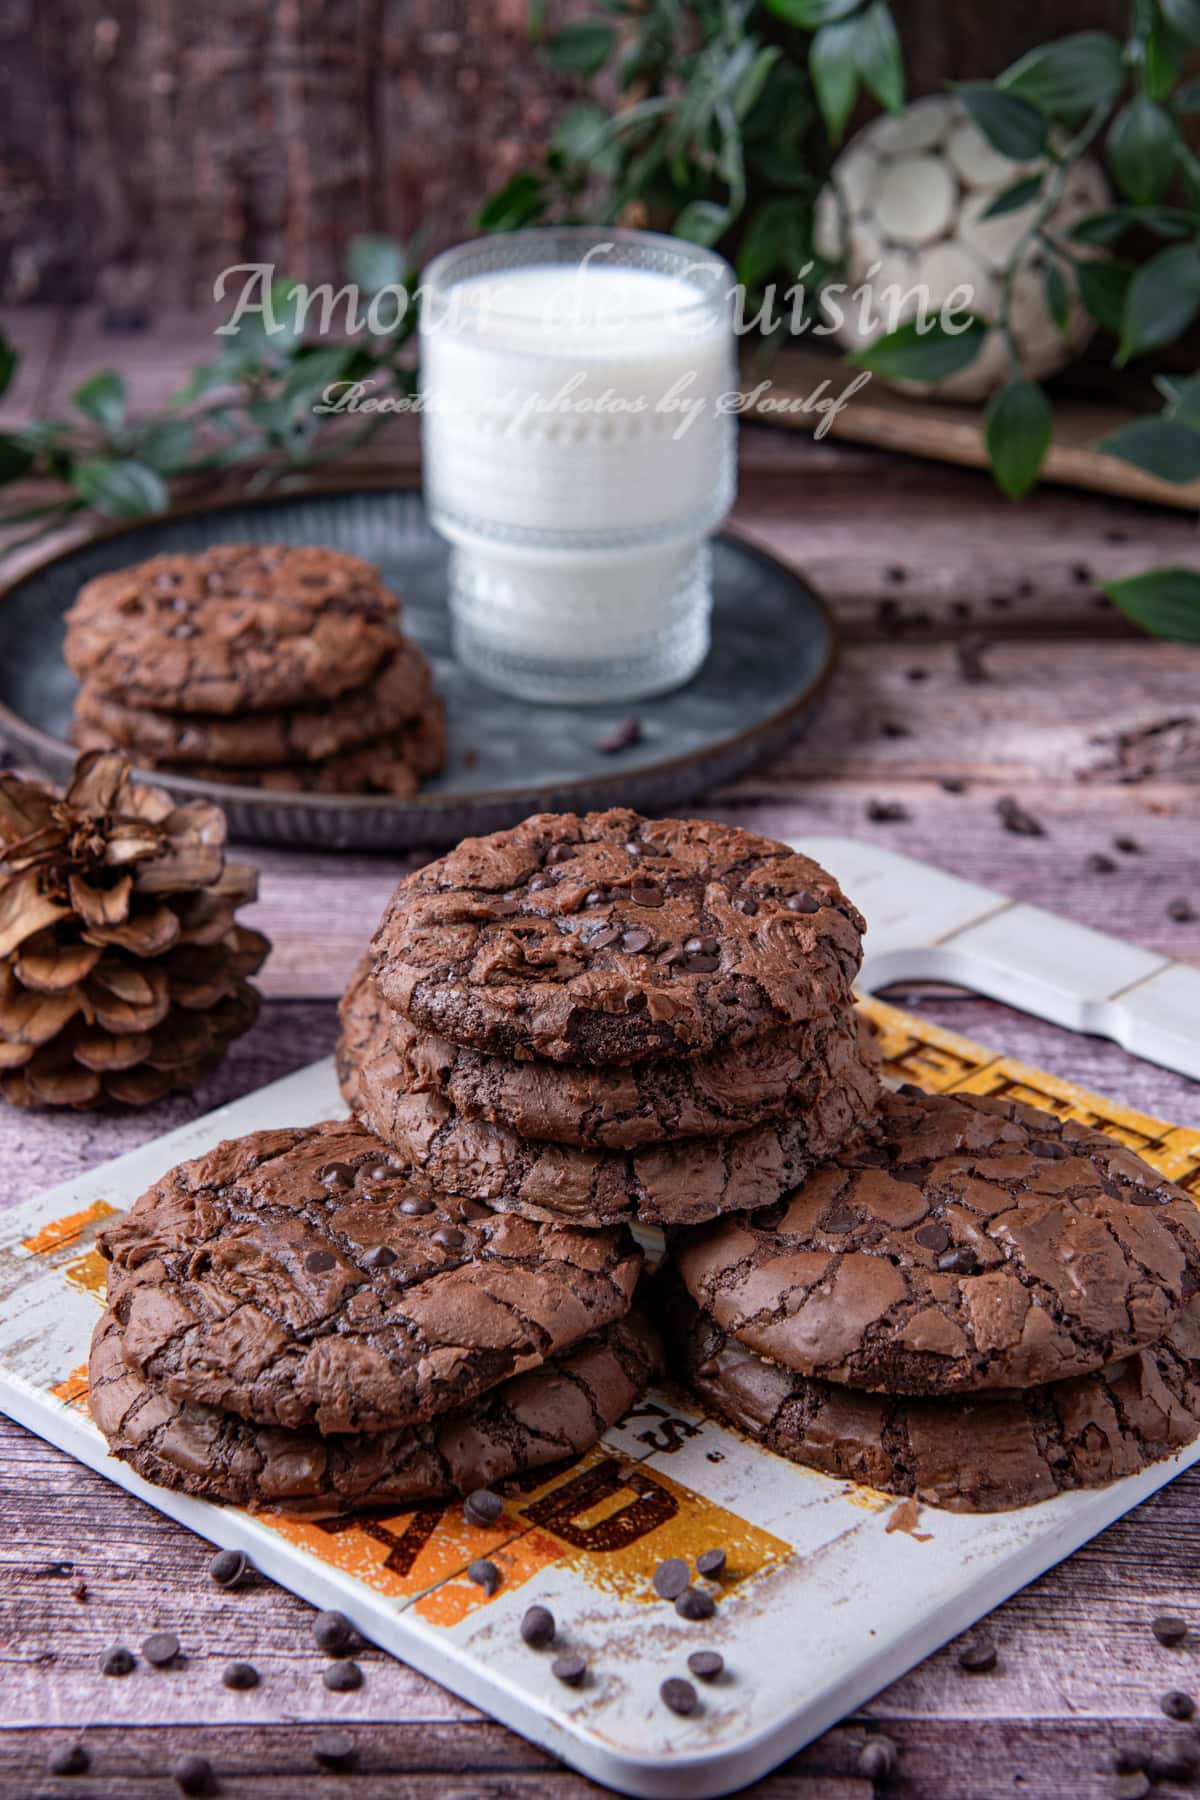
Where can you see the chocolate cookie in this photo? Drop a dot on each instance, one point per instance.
(961, 1243)
(528, 1421)
(296, 1278)
(395, 765)
(612, 938)
(616, 1108)
(397, 693)
(233, 629)
(678, 1183)
(986, 1453)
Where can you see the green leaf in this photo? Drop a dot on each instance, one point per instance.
(1141, 150)
(1013, 198)
(521, 201)
(1011, 125)
(909, 354)
(1103, 288)
(1070, 77)
(809, 14)
(9, 359)
(1105, 228)
(703, 222)
(312, 373)
(374, 262)
(1165, 602)
(1058, 296)
(166, 445)
(834, 74)
(1182, 16)
(101, 398)
(120, 488)
(583, 47)
(1168, 448)
(16, 458)
(583, 135)
(776, 240)
(1017, 430)
(1187, 97)
(1162, 301)
(1182, 394)
(269, 338)
(748, 90)
(877, 55)
(1164, 59)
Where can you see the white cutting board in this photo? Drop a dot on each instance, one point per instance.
(823, 1604)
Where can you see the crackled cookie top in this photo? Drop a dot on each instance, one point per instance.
(295, 1277)
(610, 938)
(235, 628)
(984, 1453)
(676, 1182)
(540, 1417)
(395, 694)
(961, 1243)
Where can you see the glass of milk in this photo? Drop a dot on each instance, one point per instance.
(578, 455)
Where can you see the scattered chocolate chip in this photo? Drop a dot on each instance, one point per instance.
(911, 1089)
(1014, 818)
(342, 1677)
(541, 882)
(161, 1648)
(415, 1206)
(538, 1627)
(706, 1665)
(701, 964)
(894, 572)
(1127, 846)
(1178, 1705)
(839, 1220)
(878, 1758)
(560, 853)
(918, 674)
(118, 1661)
(888, 616)
(711, 1563)
(239, 1676)
(978, 1656)
(1099, 864)
(1175, 1765)
(334, 1750)
(960, 609)
(888, 812)
(636, 940)
(802, 903)
(449, 1237)
(229, 1568)
(933, 1236)
(601, 936)
(484, 1573)
(744, 904)
(318, 1262)
(892, 728)
(79, 1588)
(192, 1774)
(952, 784)
(622, 737)
(969, 653)
(379, 1256)
(570, 1667)
(336, 1175)
(483, 1507)
(1130, 1759)
(597, 897)
(333, 1633)
(1181, 910)
(959, 1261)
(694, 1603)
(381, 1171)
(645, 893)
(69, 1759)
(1081, 574)
(671, 1578)
(679, 1695)
(1169, 1629)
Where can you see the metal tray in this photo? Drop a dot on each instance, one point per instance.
(773, 650)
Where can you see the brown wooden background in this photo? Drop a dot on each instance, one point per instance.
(146, 144)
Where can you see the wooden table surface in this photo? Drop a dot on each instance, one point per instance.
(1093, 729)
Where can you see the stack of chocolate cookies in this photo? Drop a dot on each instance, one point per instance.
(291, 1323)
(606, 1017)
(260, 665)
(977, 1303)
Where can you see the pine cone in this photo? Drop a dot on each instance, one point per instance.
(122, 969)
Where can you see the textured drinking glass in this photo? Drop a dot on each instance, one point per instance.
(578, 455)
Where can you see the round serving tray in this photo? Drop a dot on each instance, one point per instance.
(773, 649)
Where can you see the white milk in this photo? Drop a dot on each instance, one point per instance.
(577, 457)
